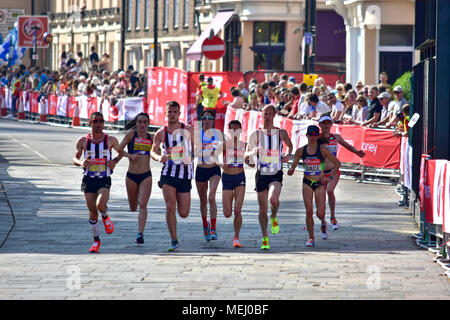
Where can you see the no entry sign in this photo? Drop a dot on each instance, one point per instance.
(213, 48)
(27, 26)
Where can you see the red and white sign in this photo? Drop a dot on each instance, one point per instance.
(213, 48)
(26, 28)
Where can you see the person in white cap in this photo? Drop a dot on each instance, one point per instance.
(331, 142)
(384, 98)
(400, 101)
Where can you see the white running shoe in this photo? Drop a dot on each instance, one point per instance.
(324, 231)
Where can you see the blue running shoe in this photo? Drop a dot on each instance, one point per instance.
(207, 233)
(174, 246)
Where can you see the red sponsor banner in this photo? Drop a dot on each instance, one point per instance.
(382, 149)
(52, 104)
(446, 199)
(225, 81)
(34, 105)
(423, 174)
(26, 27)
(163, 85)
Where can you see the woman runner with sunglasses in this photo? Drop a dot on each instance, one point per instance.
(139, 176)
(233, 178)
(314, 181)
(207, 173)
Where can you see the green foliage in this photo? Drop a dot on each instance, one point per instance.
(405, 83)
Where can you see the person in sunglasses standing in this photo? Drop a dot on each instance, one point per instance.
(98, 166)
(177, 141)
(207, 173)
(266, 145)
(314, 180)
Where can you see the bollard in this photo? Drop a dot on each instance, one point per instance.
(20, 113)
(76, 117)
(42, 112)
(3, 111)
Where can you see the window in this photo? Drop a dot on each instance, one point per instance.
(185, 13)
(129, 16)
(146, 14)
(166, 14)
(167, 58)
(137, 15)
(176, 13)
(396, 35)
(269, 45)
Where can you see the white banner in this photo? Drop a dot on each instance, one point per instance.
(130, 108)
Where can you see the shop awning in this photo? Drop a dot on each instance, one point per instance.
(219, 21)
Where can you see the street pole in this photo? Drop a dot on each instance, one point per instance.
(310, 30)
(155, 35)
(35, 28)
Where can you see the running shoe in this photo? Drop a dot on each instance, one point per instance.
(95, 247)
(174, 246)
(334, 223)
(109, 226)
(139, 239)
(324, 231)
(265, 243)
(214, 234)
(207, 233)
(236, 243)
(274, 225)
(310, 243)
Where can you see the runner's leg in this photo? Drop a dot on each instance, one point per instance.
(132, 192)
(183, 200)
(308, 193)
(145, 189)
(331, 186)
(213, 184)
(170, 197)
(239, 194)
(202, 190)
(263, 219)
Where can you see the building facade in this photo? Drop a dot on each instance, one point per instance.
(379, 37)
(78, 25)
(28, 7)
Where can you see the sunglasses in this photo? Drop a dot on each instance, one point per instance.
(98, 121)
(360, 101)
(314, 134)
(207, 118)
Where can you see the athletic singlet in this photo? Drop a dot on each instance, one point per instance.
(233, 157)
(100, 155)
(177, 148)
(314, 164)
(139, 145)
(209, 145)
(269, 158)
(332, 145)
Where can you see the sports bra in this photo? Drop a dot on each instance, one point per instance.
(314, 164)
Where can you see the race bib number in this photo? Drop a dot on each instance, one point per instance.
(235, 158)
(97, 166)
(333, 147)
(142, 146)
(313, 167)
(270, 157)
(176, 154)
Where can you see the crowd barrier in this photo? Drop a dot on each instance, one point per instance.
(69, 109)
(434, 199)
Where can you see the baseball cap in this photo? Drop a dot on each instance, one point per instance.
(292, 79)
(398, 89)
(210, 79)
(384, 95)
(325, 118)
(312, 130)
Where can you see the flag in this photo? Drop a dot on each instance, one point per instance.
(10, 52)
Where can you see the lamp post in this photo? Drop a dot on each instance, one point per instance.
(155, 35)
(35, 28)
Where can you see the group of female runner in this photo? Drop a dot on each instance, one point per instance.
(218, 158)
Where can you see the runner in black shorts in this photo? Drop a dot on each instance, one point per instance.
(233, 178)
(314, 181)
(98, 166)
(266, 145)
(207, 174)
(178, 141)
(139, 176)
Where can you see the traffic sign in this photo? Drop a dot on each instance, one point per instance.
(28, 25)
(213, 48)
(310, 78)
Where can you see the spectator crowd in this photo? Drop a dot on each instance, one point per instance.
(91, 76)
(367, 105)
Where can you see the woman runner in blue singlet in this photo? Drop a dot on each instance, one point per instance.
(139, 176)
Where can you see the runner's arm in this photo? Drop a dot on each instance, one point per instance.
(327, 154)
(251, 150)
(348, 146)
(297, 156)
(287, 140)
(79, 151)
(156, 149)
